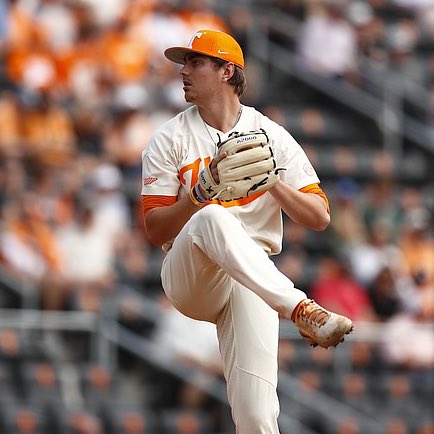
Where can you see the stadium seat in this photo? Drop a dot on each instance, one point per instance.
(10, 344)
(397, 396)
(180, 421)
(348, 425)
(24, 419)
(81, 421)
(7, 390)
(354, 389)
(131, 420)
(98, 386)
(41, 381)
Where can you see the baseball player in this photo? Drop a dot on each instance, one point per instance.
(216, 178)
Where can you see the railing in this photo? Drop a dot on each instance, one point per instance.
(27, 321)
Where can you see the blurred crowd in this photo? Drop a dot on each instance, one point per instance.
(83, 84)
(359, 38)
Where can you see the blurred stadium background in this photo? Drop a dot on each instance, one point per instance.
(88, 344)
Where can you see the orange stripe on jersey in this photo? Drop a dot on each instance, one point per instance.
(316, 189)
(154, 201)
(150, 201)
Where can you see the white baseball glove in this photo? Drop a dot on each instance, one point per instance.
(248, 168)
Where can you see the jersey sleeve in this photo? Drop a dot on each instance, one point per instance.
(159, 167)
(290, 155)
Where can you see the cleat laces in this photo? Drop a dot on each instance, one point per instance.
(318, 326)
(312, 313)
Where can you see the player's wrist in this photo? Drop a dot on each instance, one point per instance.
(196, 196)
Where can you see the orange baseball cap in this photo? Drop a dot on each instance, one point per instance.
(212, 43)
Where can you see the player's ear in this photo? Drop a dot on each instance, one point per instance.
(228, 71)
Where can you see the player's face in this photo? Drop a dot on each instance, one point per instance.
(201, 78)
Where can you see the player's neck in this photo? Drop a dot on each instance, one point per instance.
(221, 115)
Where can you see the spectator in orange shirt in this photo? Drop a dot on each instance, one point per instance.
(48, 132)
(21, 29)
(30, 251)
(56, 23)
(80, 66)
(126, 56)
(32, 65)
(198, 15)
(10, 117)
(417, 246)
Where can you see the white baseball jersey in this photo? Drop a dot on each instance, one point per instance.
(184, 145)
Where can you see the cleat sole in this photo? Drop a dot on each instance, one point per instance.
(312, 342)
(318, 327)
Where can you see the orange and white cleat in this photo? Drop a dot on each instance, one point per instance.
(320, 327)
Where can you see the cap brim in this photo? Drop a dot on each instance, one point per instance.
(177, 54)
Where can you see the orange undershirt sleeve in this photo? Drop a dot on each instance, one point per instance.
(316, 189)
(152, 201)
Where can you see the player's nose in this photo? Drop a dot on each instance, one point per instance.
(183, 71)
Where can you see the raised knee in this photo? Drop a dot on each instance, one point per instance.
(211, 214)
(211, 211)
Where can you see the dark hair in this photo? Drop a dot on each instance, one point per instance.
(238, 79)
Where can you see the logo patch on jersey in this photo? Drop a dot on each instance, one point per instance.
(148, 181)
(309, 169)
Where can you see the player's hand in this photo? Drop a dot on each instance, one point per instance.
(213, 166)
(197, 193)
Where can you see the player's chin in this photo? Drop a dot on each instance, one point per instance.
(188, 97)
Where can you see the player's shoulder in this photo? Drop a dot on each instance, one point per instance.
(168, 140)
(174, 127)
(168, 128)
(282, 140)
(260, 120)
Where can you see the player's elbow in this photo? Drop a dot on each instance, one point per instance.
(151, 235)
(154, 240)
(322, 222)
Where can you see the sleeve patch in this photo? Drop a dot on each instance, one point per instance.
(148, 181)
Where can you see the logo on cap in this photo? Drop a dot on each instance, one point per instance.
(196, 35)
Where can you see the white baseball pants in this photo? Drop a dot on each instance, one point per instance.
(215, 272)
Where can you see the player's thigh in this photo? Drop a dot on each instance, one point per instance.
(195, 285)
